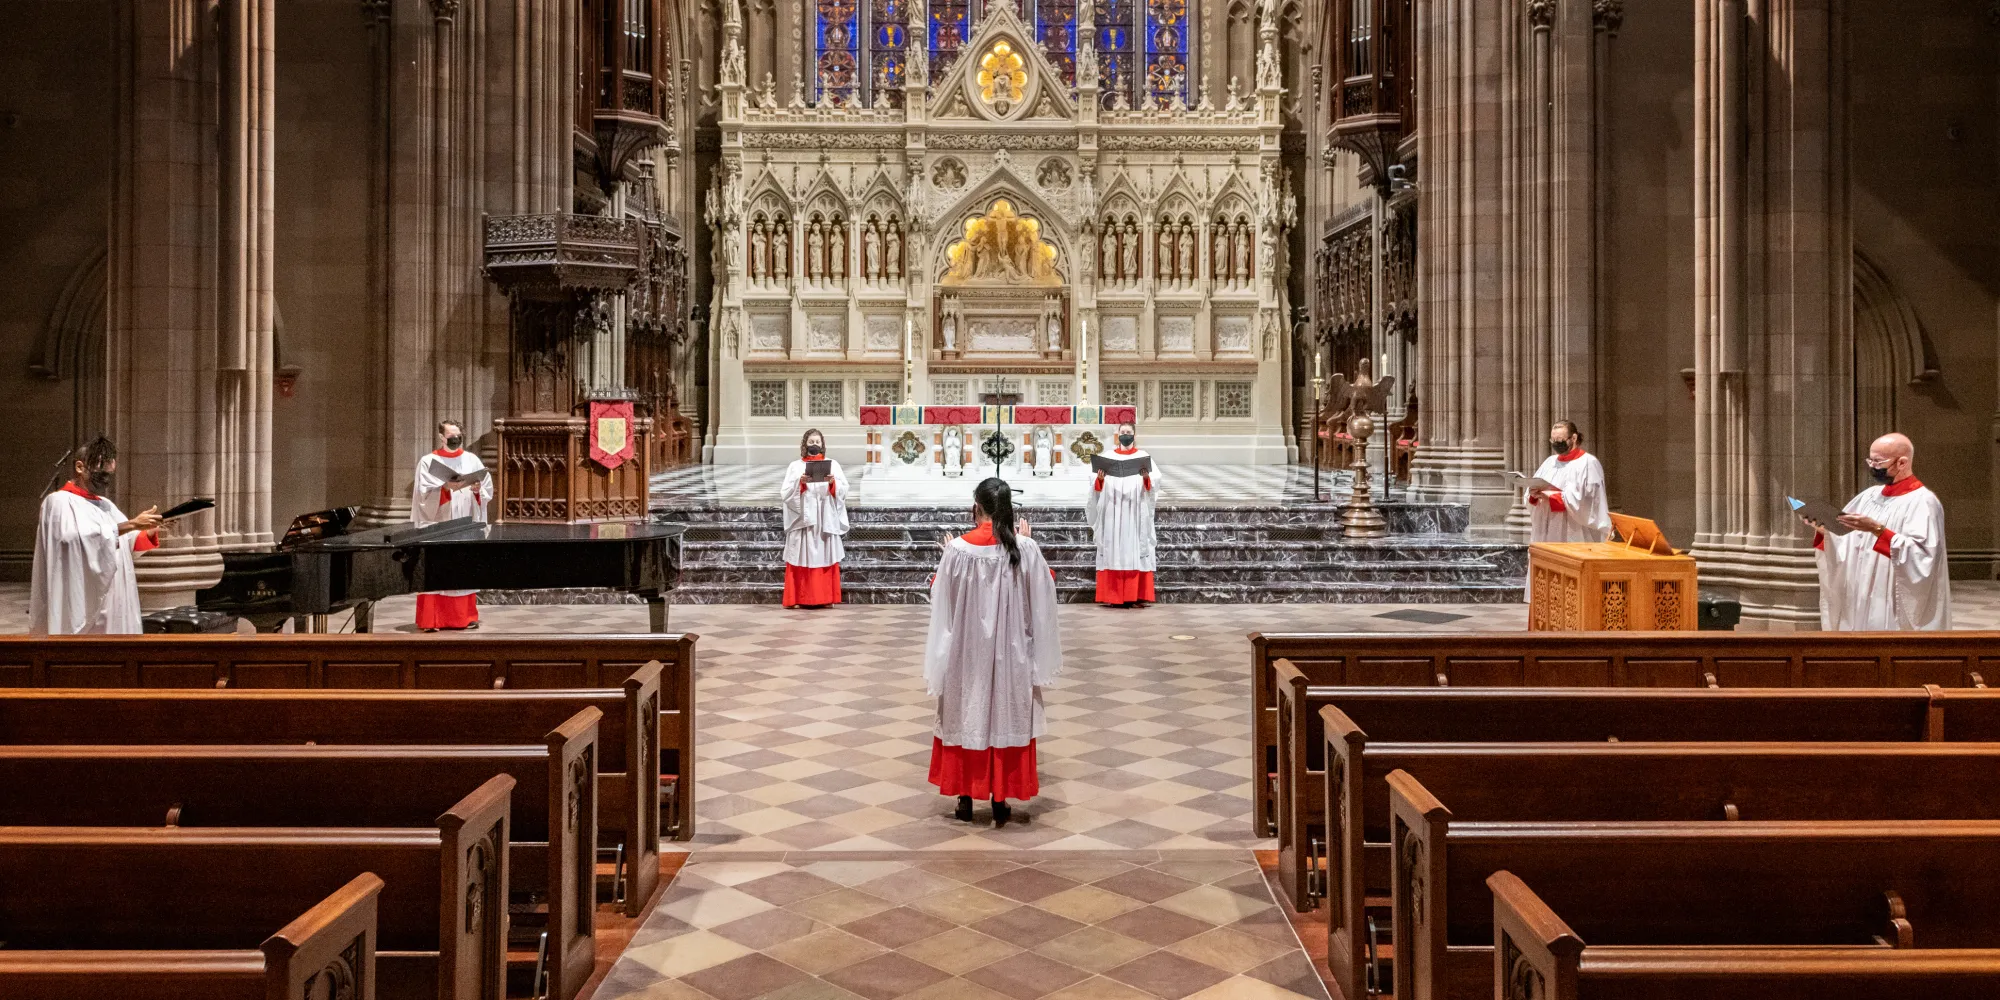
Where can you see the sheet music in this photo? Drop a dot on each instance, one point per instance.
(1518, 481)
(456, 480)
(1826, 514)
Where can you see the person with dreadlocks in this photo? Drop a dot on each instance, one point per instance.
(994, 645)
(84, 581)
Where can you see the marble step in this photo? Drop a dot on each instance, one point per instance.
(1402, 518)
(1073, 592)
(1247, 574)
(1230, 553)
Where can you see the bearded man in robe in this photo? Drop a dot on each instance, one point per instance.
(84, 582)
(1888, 573)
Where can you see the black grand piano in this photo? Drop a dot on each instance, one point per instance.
(323, 567)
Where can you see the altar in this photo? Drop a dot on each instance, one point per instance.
(1024, 443)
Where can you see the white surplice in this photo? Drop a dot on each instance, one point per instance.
(1121, 515)
(83, 578)
(814, 519)
(1862, 589)
(429, 503)
(994, 645)
(1586, 515)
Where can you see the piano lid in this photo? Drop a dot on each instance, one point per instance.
(466, 529)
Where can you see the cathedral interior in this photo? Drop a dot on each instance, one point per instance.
(266, 244)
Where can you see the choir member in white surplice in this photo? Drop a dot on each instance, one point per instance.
(994, 645)
(432, 500)
(1120, 509)
(815, 520)
(1576, 510)
(1888, 574)
(83, 577)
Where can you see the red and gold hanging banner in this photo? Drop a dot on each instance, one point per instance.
(611, 437)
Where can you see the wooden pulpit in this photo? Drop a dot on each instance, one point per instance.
(1638, 584)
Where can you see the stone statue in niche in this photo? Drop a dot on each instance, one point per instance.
(892, 251)
(760, 251)
(1043, 454)
(1107, 251)
(954, 450)
(815, 251)
(1129, 271)
(1054, 342)
(781, 250)
(871, 251)
(951, 331)
(836, 249)
(1187, 255)
(1240, 236)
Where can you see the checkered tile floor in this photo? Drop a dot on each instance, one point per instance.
(1118, 926)
(757, 485)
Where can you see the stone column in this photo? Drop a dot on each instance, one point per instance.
(434, 359)
(1774, 262)
(1462, 311)
(189, 344)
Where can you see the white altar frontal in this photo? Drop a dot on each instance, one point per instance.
(999, 235)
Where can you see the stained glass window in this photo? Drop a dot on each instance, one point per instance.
(839, 47)
(1055, 27)
(889, 35)
(951, 24)
(1166, 51)
(1115, 69)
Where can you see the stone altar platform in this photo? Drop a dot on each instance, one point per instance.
(1227, 534)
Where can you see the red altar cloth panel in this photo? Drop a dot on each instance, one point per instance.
(954, 415)
(1042, 414)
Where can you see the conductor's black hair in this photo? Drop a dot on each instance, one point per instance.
(1570, 426)
(996, 500)
(98, 453)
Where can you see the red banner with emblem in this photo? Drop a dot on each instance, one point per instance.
(611, 437)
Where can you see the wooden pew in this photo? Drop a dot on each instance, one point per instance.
(1602, 659)
(472, 661)
(329, 951)
(552, 843)
(628, 810)
(1536, 954)
(1552, 715)
(1574, 782)
(441, 931)
(1748, 883)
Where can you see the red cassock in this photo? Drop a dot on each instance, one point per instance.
(811, 586)
(1124, 586)
(438, 611)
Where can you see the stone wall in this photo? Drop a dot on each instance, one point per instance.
(56, 101)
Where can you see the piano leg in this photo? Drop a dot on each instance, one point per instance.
(656, 611)
(364, 616)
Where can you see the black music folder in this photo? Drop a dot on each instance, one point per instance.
(454, 479)
(1121, 468)
(819, 471)
(194, 506)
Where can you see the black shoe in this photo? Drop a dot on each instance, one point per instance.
(1000, 813)
(964, 811)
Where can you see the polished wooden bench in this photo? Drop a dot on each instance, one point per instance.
(471, 661)
(328, 951)
(1636, 660)
(442, 918)
(628, 806)
(1752, 882)
(1551, 715)
(1575, 782)
(552, 843)
(1537, 955)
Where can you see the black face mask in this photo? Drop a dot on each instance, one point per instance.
(99, 481)
(454, 442)
(815, 450)
(1558, 447)
(1879, 475)
(1125, 439)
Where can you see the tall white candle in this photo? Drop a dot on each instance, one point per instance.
(1315, 363)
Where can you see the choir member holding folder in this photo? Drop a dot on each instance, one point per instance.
(1570, 505)
(83, 579)
(815, 498)
(450, 484)
(1881, 560)
(1120, 509)
(994, 645)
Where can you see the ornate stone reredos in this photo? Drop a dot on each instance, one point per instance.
(1002, 76)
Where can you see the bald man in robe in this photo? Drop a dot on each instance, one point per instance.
(1888, 573)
